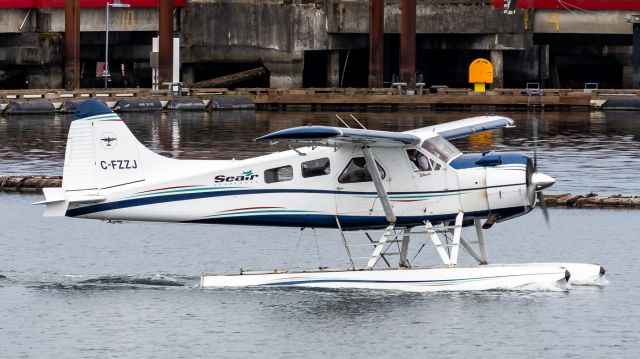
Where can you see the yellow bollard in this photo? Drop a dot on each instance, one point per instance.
(480, 73)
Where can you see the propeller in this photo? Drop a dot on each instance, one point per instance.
(537, 180)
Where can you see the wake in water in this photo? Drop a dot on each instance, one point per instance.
(142, 281)
(114, 282)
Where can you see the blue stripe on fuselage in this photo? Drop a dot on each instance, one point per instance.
(355, 222)
(135, 202)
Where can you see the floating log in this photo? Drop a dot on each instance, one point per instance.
(592, 200)
(28, 183)
(232, 79)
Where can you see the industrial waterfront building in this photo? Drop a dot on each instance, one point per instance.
(330, 43)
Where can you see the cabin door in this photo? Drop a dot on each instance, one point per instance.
(433, 192)
(356, 194)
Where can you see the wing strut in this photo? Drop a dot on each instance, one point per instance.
(377, 180)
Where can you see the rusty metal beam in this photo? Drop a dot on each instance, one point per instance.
(408, 43)
(72, 44)
(165, 34)
(233, 78)
(376, 42)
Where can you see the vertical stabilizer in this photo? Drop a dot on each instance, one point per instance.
(101, 151)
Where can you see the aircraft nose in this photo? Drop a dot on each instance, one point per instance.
(542, 181)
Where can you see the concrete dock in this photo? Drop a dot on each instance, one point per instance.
(17, 102)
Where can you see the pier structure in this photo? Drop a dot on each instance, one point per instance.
(321, 43)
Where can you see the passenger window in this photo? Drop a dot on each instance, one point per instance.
(356, 171)
(278, 174)
(313, 168)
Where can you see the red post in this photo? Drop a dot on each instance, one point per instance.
(72, 44)
(408, 43)
(165, 34)
(376, 43)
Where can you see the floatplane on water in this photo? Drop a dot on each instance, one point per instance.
(408, 184)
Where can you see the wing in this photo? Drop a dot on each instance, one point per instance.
(331, 136)
(464, 127)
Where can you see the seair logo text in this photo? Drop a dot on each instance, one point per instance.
(246, 176)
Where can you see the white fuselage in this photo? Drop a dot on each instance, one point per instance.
(237, 191)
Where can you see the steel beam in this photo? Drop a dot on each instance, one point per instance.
(376, 43)
(635, 57)
(165, 34)
(408, 43)
(72, 44)
(498, 68)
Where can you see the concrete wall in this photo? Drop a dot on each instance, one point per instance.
(278, 34)
(11, 19)
(432, 17)
(269, 32)
(579, 22)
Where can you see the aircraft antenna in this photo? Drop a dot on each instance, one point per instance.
(341, 120)
(355, 119)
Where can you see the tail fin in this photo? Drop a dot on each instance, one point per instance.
(101, 151)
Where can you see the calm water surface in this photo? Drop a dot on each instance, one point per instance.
(88, 289)
(584, 151)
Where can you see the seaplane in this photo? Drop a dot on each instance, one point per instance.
(408, 185)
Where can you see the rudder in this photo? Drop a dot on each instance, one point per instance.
(101, 151)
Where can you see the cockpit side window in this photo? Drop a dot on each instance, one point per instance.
(419, 162)
(356, 171)
(313, 168)
(441, 149)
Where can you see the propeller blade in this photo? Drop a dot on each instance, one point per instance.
(535, 143)
(543, 207)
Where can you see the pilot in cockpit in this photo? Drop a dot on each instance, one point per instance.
(418, 161)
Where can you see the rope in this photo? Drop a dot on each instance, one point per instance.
(295, 251)
(419, 250)
(315, 235)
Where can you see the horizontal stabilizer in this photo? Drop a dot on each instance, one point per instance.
(57, 202)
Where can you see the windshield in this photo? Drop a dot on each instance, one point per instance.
(441, 148)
